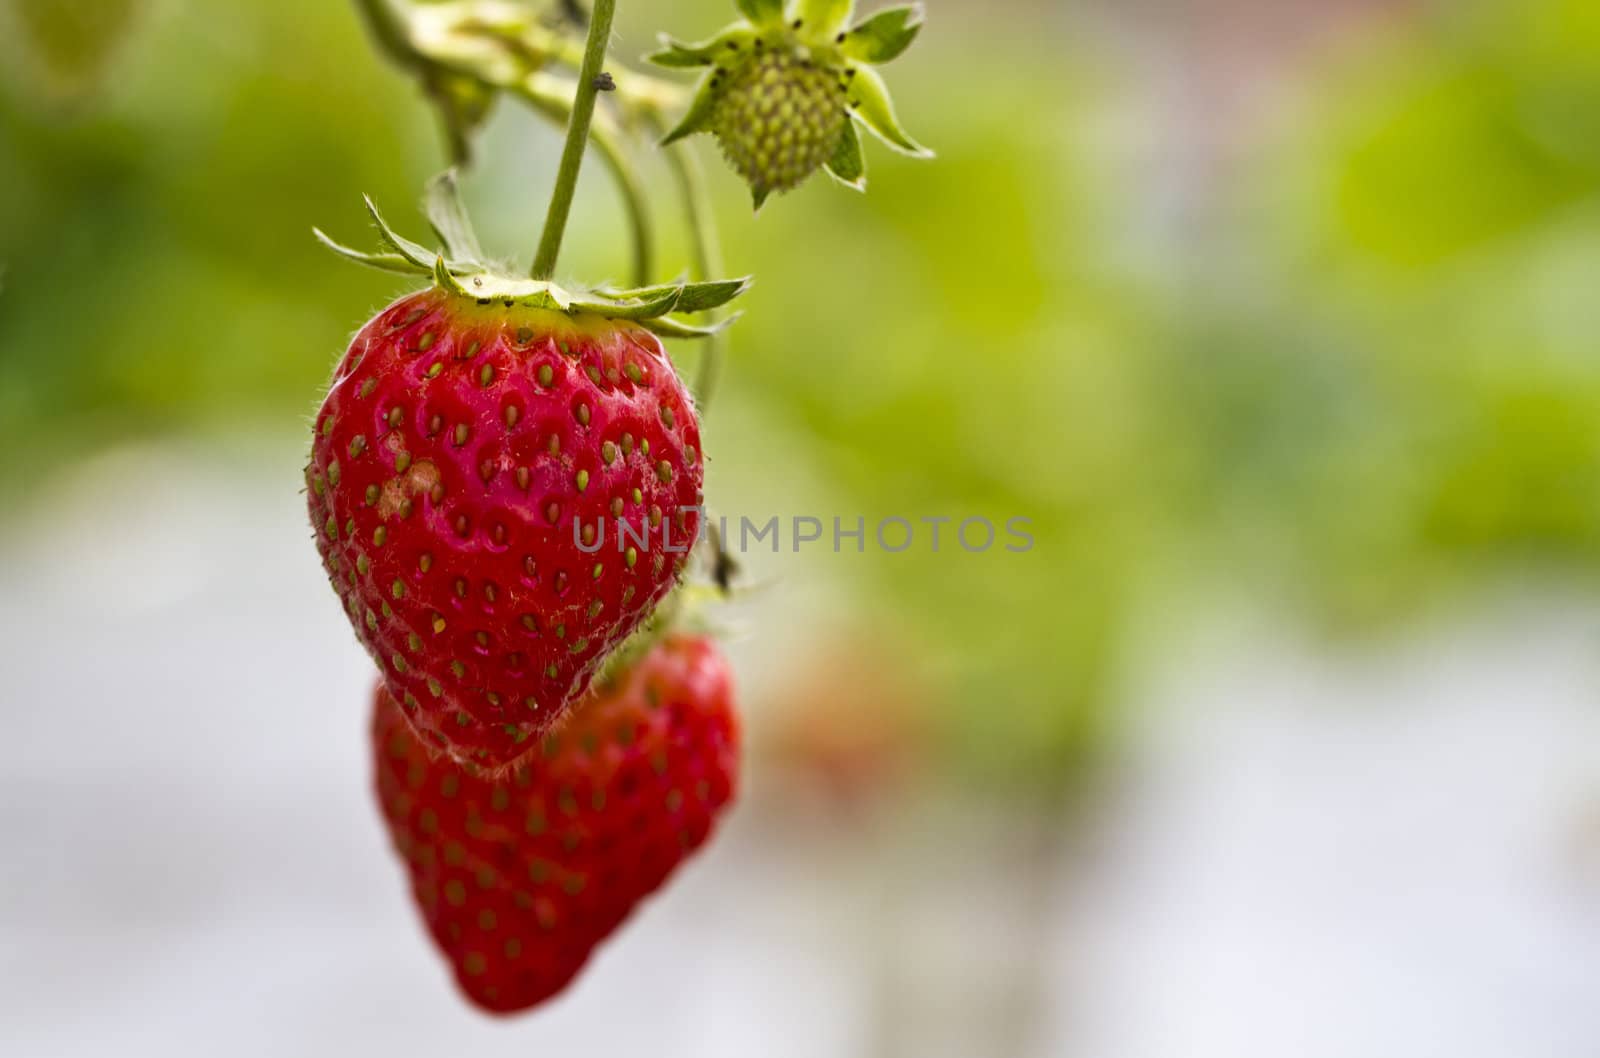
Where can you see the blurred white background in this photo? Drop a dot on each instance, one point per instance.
(1296, 852)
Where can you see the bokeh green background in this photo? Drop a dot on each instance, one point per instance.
(1336, 348)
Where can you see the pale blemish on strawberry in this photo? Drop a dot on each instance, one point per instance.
(415, 479)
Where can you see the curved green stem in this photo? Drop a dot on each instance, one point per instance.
(707, 250)
(594, 54)
(634, 199)
(558, 105)
(460, 53)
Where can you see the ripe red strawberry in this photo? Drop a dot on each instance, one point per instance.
(461, 440)
(519, 877)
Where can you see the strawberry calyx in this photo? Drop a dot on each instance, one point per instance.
(462, 270)
(786, 86)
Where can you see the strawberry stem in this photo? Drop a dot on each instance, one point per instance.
(604, 136)
(583, 103)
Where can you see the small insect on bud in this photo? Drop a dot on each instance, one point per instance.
(604, 82)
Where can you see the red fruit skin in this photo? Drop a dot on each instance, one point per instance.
(519, 877)
(457, 446)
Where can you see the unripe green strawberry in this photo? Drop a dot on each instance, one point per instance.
(779, 120)
(785, 88)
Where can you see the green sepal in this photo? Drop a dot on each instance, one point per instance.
(448, 216)
(822, 19)
(848, 165)
(759, 196)
(884, 36)
(678, 55)
(870, 104)
(699, 116)
(486, 288)
(712, 294)
(462, 274)
(416, 253)
(761, 12)
(687, 297)
(618, 307)
(666, 327)
(384, 262)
